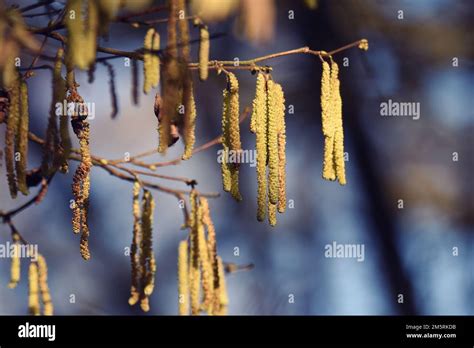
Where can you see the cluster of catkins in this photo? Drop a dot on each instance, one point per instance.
(16, 137)
(175, 106)
(141, 251)
(331, 115)
(268, 124)
(37, 280)
(201, 280)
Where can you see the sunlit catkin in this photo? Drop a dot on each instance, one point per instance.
(272, 142)
(204, 47)
(327, 123)
(211, 240)
(206, 267)
(151, 61)
(43, 286)
(272, 214)
(189, 120)
(134, 249)
(183, 278)
(281, 152)
(22, 139)
(338, 128)
(15, 268)
(233, 127)
(222, 293)
(259, 101)
(10, 135)
(194, 271)
(33, 293)
(261, 126)
(75, 25)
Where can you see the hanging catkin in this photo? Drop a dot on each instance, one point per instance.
(211, 240)
(15, 269)
(327, 123)
(204, 47)
(43, 286)
(33, 293)
(134, 249)
(113, 92)
(258, 104)
(10, 135)
(151, 60)
(189, 118)
(81, 178)
(22, 139)
(281, 129)
(223, 299)
(260, 122)
(204, 262)
(272, 142)
(82, 32)
(183, 278)
(231, 137)
(194, 272)
(225, 167)
(183, 30)
(147, 260)
(338, 146)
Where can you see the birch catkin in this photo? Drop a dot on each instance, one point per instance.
(148, 260)
(134, 249)
(327, 123)
(258, 104)
(225, 168)
(43, 286)
(10, 135)
(233, 133)
(151, 60)
(204, 47)
(15, 268)
(281, 151)
(204, 262)
(338, 128)
(211, 240)
(183, 278)
(189, 119)
(223, 298)
(272, 142)
(22, 139)
(261, 125)
(194, 272)
(33, 293)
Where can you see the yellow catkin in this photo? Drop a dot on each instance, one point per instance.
(223, 298)
(43, 286)
(206, 267)
(338, 128)
(261, 126)
(204, 47)
(15, 269)
(148, 60)
(183, 278)
(10, 135)
(90, 34)
(233, 129)
(75, 26)
(272, 142)
(258, 104)
(211, 243)
(22, 139)
(136, 240)
(156, 59)
(225, 167)
(327, 123)
(272, 214)
(281, 151)
(183, 30)
(33, 294)
(189, 120)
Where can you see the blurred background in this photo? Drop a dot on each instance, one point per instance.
(409, 251)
